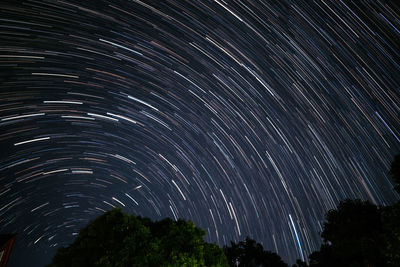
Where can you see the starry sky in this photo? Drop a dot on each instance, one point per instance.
(250, 118)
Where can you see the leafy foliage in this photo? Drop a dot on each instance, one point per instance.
(248, 253)
(391, 220)
(395, 172)
(391, 224)
(116, 239)
(300, 263)
(353, 236)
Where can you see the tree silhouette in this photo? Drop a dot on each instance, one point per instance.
(395, 172)
(300, 263)
(249, 253)
(116, 239)
(391, 220)
(352, 236)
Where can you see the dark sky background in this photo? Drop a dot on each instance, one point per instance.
(250, 118)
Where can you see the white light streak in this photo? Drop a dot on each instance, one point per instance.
(115, 199)
(142, 102)
(184, 198)
(297, 237)
(122, 117)
(32, 140)
(62, 102)
(101, 116)
(23, 116)
(55, 74)
(126, 194)
(40, 206)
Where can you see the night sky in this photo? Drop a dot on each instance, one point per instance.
(250, 118)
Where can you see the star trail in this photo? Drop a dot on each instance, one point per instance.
(250, 118)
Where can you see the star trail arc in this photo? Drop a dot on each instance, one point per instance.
(250, 118)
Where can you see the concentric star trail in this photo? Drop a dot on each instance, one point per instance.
(250, 118)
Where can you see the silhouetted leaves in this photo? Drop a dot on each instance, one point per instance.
(249, 253)
(395, 172)
(391, 224)
(116, 239)
(353, 236)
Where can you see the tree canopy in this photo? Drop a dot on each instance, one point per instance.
(117, 239)
(352, 236)
(249, 253)
(395, 172)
